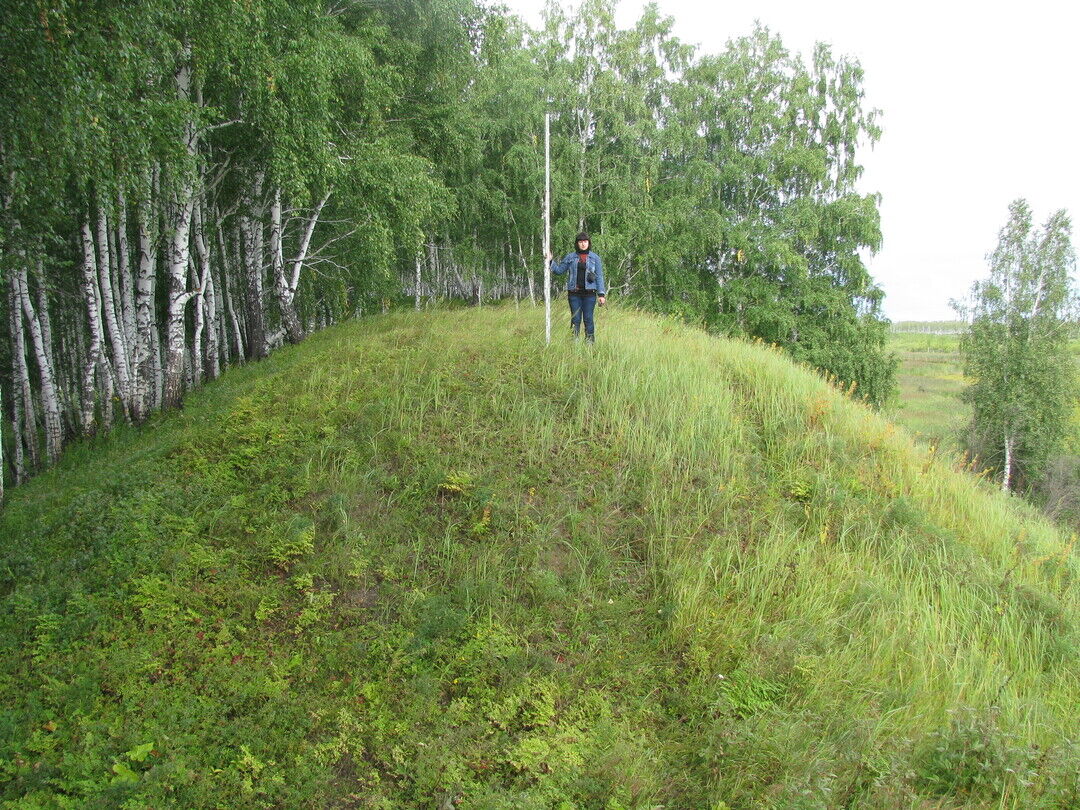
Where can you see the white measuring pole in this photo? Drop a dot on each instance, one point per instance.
(547, 227)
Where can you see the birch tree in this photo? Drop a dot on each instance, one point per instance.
(1016, 351)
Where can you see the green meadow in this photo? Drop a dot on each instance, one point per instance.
(929, 380)
(423, 560)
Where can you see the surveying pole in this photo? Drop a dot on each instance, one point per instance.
(547, 227)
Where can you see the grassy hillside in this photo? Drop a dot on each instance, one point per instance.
(424, 561)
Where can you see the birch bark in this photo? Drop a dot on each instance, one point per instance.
(120, 364)
(286, 288)
(93, 310)
(127, 286)
(50, 404)
(206, 307)
(22, 423)
(17, 409)
(196, 358)
(251, 229)
(142, 365)
(230, 310)
(43, 315)
(179, 251)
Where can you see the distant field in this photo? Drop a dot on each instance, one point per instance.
(930, 380)
(939, 327)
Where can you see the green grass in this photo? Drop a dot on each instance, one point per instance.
(423, 558)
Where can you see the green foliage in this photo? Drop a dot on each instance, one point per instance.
(973, 758)
(1016, 350)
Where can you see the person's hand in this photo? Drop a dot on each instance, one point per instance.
(549, 257)
(600, 299)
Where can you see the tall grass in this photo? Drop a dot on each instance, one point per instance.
(665, 569)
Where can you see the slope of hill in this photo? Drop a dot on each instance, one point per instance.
(424, 561)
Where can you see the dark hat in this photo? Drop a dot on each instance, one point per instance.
(582, 237)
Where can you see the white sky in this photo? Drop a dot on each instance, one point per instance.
(979, 106)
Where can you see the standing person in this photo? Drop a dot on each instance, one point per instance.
(585, 286)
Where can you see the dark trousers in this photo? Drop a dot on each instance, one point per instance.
(582, 306)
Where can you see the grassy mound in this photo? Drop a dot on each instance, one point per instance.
(424, 561)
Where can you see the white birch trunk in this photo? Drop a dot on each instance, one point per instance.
(207, 304)
(19, 390)
(50, 403)
(289, 319)
(127, 286)
(221, 356)
(93, 308)
(142, 361)
(179, 295)
(230, 309)
(433, 268)
(121, 366)
(179, 252)
(157, 369)
(251, 230)
(195, 359)
(287, 288)
(44, 317)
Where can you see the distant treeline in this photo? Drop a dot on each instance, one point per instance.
(186, 185)
(930, 327)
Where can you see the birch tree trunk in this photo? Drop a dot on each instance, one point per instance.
(50, 404)
(207, 303)
(286, 288)
(277, 264)
(120, 363)
(251, 231)
(196, 352)
(157, 369)
(43, 315)
(179, 252)
(93, 310)
(179, 295)
(238, 333)
(127, 287)
(142, 365)
(20, 381)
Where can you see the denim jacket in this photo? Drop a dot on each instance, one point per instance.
(592, 265)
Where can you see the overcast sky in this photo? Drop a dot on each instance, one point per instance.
(979, 107)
